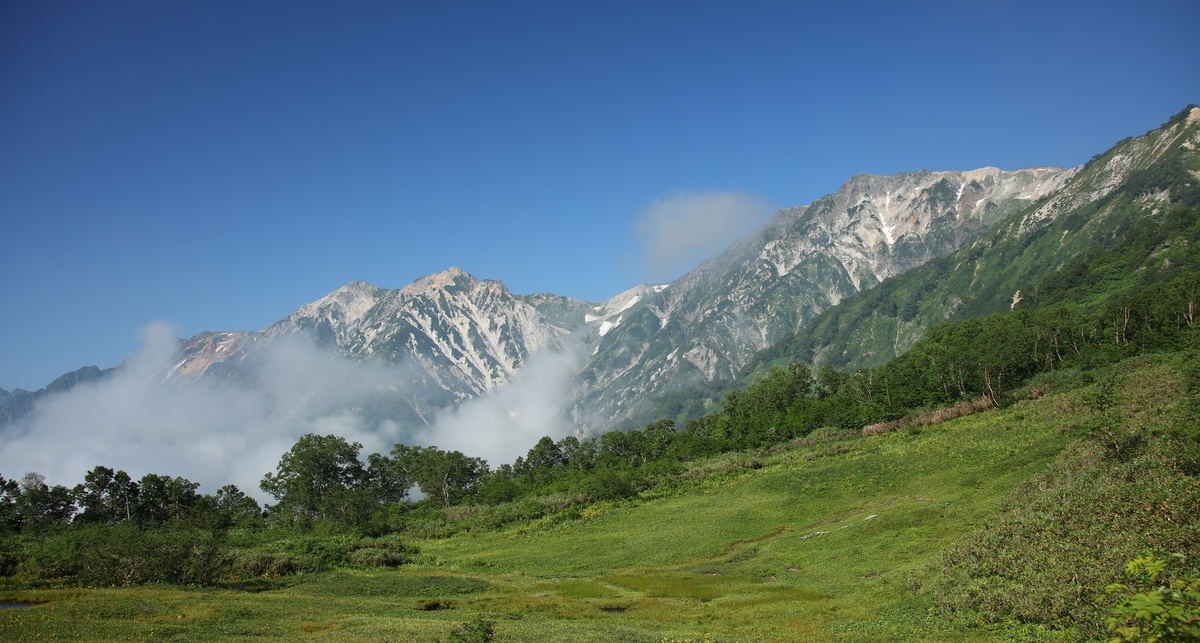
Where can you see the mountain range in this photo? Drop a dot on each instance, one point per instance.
(851, 280)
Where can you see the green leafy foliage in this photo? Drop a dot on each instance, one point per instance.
(126, 554)
(1150, 610)
(320, 477)
(446, 475)
(1060, 536)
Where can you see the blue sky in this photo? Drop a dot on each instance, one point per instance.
(219, 164)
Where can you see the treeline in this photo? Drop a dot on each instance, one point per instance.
(112, 529)
(108, 497)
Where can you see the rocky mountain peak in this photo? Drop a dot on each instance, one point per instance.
(448, 278)
(883, 209)
(457, 335)
(350, 302)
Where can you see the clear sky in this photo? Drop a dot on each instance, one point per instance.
(219, 164)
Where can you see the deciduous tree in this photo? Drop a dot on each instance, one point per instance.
(319, 478)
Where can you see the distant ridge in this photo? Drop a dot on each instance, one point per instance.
(849, 280)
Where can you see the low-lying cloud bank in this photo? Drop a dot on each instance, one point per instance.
(218, 434)
(509, 421)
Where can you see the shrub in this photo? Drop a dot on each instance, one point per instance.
(1059, 536)
(384, 551)
(1150, 610)
(126, 554)
(479, 630)
(267, 564)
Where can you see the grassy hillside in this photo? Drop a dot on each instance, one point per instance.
(900, 536)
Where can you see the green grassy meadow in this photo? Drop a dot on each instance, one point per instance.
(817, 543)
(822, 540)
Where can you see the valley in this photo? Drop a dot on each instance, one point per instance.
(841, 538)
(966, 436)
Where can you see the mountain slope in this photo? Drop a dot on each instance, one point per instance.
(1138, 177)
(705, 326)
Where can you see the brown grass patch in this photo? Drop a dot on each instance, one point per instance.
(936, 416)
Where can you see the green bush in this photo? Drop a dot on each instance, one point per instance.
(1060, 536)
(374, 557)
(313, 553)
(1149, 610)
(384, 551)
(265, 564)
(479, 630)
(126, 554)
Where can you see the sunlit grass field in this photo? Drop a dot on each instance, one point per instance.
(830, 541)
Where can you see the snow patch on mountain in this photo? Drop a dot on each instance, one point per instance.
(609, 325)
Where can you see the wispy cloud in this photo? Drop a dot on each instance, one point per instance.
(507, 423)
(678, 232)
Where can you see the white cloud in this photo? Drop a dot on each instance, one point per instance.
(508, 422)
(200, 430)
(680, 231)
(217, 434)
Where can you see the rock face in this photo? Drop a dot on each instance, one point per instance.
(458, 337)
(468, 335)
(706, 325)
